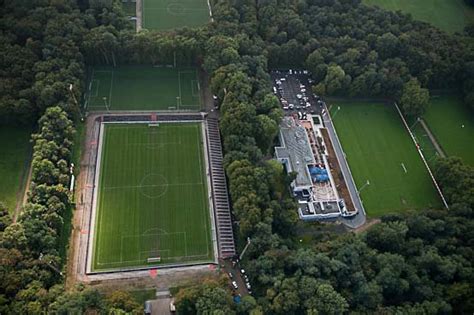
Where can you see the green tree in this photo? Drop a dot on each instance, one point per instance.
(124, 301)
(414, 98)
(214, 300)
(328, 301)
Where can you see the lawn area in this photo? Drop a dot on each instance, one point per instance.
(449, 15)
(452, 123)
(152, 197)
(14, 162)
(169, 14)
(379, 149)
(143, 88)
(141, 296)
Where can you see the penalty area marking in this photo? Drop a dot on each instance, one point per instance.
(404, 168)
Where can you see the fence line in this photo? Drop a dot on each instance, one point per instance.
(422, 156)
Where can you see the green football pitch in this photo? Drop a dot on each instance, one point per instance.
(143, 88)
(169, 14)
(151, 207)
(449, 15)
(379, 149)
(452, 123)
(14, 158)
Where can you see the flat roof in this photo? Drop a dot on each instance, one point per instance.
(295, 148)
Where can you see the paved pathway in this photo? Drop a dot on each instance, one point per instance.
(161, 305)
(360, 218)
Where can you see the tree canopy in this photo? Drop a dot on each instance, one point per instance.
(412, 263)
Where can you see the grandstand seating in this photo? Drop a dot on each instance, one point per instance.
(225, 235)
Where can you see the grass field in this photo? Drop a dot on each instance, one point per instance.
(143, 88)
(379, 149)
(446, 117)
(152, 197)
(14, 159)
(449, 15)
(169, 14)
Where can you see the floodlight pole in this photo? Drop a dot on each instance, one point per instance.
(177, 102)
(365, 185)
(337, 110)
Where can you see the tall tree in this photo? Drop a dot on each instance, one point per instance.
(414, 98)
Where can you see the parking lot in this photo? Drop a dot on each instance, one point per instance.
(293, 88)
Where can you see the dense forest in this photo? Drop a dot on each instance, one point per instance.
(414, 263)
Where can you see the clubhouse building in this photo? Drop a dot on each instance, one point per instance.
(304, 152)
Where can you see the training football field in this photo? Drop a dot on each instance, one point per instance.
(151, 206)
(169, 14)
(379, 150)
(448, 15)
(452, 123)
(14, 162)
(143, 88)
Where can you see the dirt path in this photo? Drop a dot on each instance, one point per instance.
(80, 213)
(366, 226)
(139, 14)
(25, 187)
(432, 139)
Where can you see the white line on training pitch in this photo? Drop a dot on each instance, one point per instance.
(404, 168)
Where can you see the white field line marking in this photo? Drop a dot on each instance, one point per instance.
(93, 241)
(404, 168)
(155, 185)
(203, 187)
(185, 233)
(96, 92)
(89, 96)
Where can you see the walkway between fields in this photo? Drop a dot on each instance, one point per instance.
(433, 139)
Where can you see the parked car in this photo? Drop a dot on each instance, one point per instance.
(231, 275)
(242, 271)
(248, 286)
(147, 308)
(234, 285)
